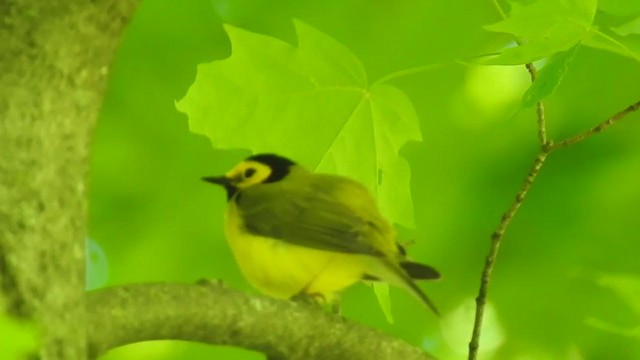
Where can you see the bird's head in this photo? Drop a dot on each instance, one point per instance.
(254, 170)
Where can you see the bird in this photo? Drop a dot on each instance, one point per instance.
(294, 232)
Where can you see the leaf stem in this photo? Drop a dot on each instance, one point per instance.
(406, 72)
(499, 8)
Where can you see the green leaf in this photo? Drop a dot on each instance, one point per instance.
(602, 325)
(628, 46)
(549, 77)
(311, 103)
(382, 294)
(630, 28)
(627, 288)
(620, 7)
(543, 28)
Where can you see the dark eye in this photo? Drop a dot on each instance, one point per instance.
(249, 172)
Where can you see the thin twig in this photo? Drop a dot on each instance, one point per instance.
(596, 129)
(542, 125)
(496, 239)
(533, 72)
(498, 234)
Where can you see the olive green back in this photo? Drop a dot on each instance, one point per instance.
(320, 211)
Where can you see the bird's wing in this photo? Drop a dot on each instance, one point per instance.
(315, 214)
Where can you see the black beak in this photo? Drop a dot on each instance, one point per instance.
(223, 181)
(219, 180)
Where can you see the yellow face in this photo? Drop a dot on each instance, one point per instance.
(248, 173)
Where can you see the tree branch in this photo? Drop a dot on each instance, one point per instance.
(496, 239)
(217, 315)
(498, 234)
(596, 129)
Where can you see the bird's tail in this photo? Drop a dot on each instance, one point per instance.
(395, 274)
(418, 271)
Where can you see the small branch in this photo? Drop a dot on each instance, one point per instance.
(217, 315)
(498, 234)
(533, 72)
(605, 124)
(496, 239)
(542, 125)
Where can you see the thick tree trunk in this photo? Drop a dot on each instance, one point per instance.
(54, 60)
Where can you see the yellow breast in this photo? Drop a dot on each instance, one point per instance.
(282, 270)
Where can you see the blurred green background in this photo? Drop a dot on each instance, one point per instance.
(567, 282)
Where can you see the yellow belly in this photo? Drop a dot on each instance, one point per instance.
(282, 270)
